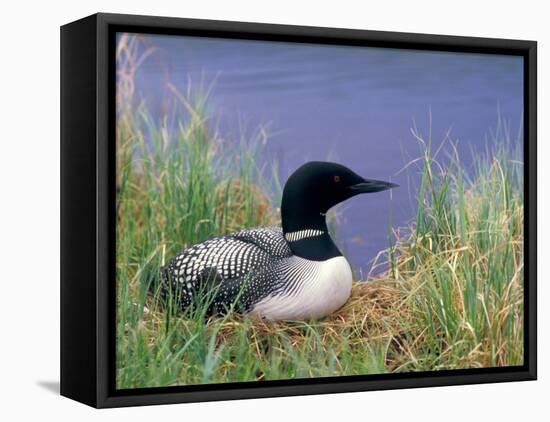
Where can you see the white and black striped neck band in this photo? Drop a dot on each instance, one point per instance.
(303, 234)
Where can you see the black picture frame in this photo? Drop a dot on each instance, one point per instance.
(88, 197)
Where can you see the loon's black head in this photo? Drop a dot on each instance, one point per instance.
(313, 189)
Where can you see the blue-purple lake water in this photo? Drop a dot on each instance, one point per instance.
(353, 105)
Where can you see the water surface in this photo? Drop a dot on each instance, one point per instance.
(353, 105)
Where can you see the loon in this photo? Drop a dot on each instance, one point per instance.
(293, 272)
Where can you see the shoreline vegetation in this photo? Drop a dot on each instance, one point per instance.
(452, 296)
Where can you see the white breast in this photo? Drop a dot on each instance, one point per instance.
(325, 288)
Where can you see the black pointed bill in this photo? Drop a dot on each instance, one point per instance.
(369, 186)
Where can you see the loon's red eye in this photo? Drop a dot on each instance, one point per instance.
(336, 179)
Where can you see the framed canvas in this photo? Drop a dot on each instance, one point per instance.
(253, 210)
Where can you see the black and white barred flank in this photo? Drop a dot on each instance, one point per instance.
(244, 264)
